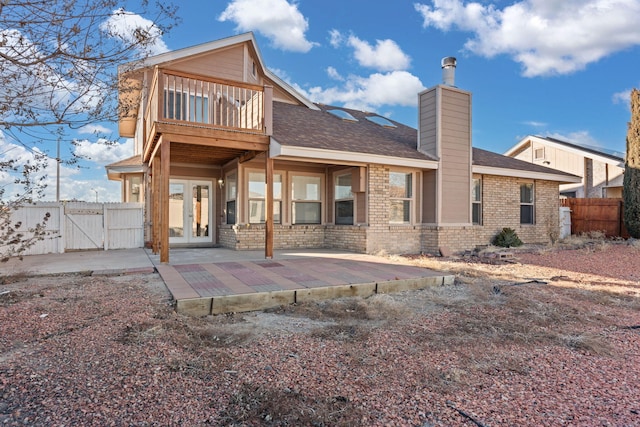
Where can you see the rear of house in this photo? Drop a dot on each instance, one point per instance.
(227, 154)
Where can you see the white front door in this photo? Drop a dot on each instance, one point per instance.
(190, 211)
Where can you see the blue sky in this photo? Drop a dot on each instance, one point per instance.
(543, 67)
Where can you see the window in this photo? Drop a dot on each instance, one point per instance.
(344, 200)
(176, 107)
(134, 188)
(476, 201)
(400, 195)
(526, 203)
(306, 199)
(232, 190)
(258, 194)
(198, 109)
(538, 153)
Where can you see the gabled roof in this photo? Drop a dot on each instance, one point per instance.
(490, 163)
(589, 152)
(319, 135)
(132, 164)
(204, 48)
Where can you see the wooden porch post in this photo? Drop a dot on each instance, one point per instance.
(155, 206)
(268, 227)
(165, 158)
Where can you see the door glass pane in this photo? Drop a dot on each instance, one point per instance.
(200, 209)
(176, 210)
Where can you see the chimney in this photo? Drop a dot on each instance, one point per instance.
(444, 133)
(449, 71)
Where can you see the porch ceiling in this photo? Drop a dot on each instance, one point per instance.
(189, 153)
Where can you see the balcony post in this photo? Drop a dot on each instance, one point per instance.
(268, 110)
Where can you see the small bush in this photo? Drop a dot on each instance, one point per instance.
(507, 238)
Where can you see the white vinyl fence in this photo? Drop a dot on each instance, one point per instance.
(75, 226)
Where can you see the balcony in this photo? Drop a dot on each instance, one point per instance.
(197, 106)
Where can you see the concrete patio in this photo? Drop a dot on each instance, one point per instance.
(207, 281)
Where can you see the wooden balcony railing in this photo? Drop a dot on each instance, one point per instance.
(207, 102)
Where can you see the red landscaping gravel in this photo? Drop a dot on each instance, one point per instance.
(616, 260)
(495, 349)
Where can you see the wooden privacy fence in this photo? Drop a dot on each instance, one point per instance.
(76, 226)
(604, 215)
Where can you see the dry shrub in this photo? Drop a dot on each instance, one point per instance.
(376, 307)
(139, 333)
(343, 332)
(260, 405)
(588, 343)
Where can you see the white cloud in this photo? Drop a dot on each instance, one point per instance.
(386, 55)
(335, 38)
(334, 74)
(546, 36)
(534, 124)
(622, 97)
(581, 137)
(278, 20)
(368, 93)
(94, 129)
(47, 175)
(133, 28)
(103, 153)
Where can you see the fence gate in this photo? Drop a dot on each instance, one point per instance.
(83, 226)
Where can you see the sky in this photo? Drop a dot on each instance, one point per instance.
(554, 68)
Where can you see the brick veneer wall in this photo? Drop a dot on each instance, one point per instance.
(249, 237)
(500, 208)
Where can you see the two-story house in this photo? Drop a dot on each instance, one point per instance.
(601, 172)
(228, 154)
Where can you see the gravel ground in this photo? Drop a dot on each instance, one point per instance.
(550, 338)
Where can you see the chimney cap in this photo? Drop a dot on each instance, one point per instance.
(448, 61)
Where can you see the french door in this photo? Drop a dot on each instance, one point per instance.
(190, 211)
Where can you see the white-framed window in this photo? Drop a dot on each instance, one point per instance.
(175, 106)
(538, 153)
(400, 197)
(527, 208)
(476, 201)
(306, 199)
(257, 196)
(344, 202)
(231, 186)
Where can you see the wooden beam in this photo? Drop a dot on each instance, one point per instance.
(249, 155)
(268, 228)
(155, 207)
(213, 138)
(165, 157)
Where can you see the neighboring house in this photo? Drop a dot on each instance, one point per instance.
(601, 172)
(220, 140)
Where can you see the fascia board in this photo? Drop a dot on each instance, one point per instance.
(515, 173)
(333, 156)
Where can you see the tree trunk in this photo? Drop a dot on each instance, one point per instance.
(631, 184)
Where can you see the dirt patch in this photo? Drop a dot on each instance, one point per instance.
(540, 338)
